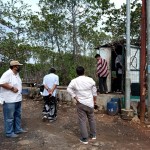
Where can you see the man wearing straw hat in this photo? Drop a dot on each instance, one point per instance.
(11, 88)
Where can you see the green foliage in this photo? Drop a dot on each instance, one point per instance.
(66, 70)
(3, 67)
(11, 49)
(62, 34)
(13, 43)
(60, 21)
(116, 22)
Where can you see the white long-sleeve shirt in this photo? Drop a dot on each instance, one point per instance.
(84, 89)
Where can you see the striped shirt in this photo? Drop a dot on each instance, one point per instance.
(102, 68)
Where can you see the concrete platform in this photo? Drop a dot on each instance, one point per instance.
(102, 99)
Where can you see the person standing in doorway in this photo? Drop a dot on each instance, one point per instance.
(84, 91)
(50, 82)
(119, 71)
(11, 89)
(102, 73)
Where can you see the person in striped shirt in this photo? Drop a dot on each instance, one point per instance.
(102, 73)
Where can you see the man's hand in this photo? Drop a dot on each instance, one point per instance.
(14, 89)
(96, 106)
(76, 99)
(50, 91)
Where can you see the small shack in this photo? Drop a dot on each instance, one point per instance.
(110, 52)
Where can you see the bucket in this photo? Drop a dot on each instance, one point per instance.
(112, 108)
(118, 101)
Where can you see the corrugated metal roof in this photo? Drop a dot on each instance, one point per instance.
(115, 44)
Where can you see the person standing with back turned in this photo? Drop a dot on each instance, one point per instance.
(11, 88)
(50, 82)
(84, 91)
(102, 73)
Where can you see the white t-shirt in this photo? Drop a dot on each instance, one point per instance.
(13, 80)
(50, 80)
(84, 89)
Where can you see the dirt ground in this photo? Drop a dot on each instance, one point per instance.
(113, 133)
